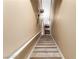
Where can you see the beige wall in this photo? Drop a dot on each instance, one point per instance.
(64, 28)
(19, 24)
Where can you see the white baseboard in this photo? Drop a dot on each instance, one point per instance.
(59, 49)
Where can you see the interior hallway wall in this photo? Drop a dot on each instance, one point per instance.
(20, 24)
(64, 28)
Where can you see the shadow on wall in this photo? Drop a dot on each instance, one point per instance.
(57, 4)
(35, 4)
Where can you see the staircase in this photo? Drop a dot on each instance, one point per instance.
(45, 48)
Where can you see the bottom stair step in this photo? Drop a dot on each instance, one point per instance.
(45, 56)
